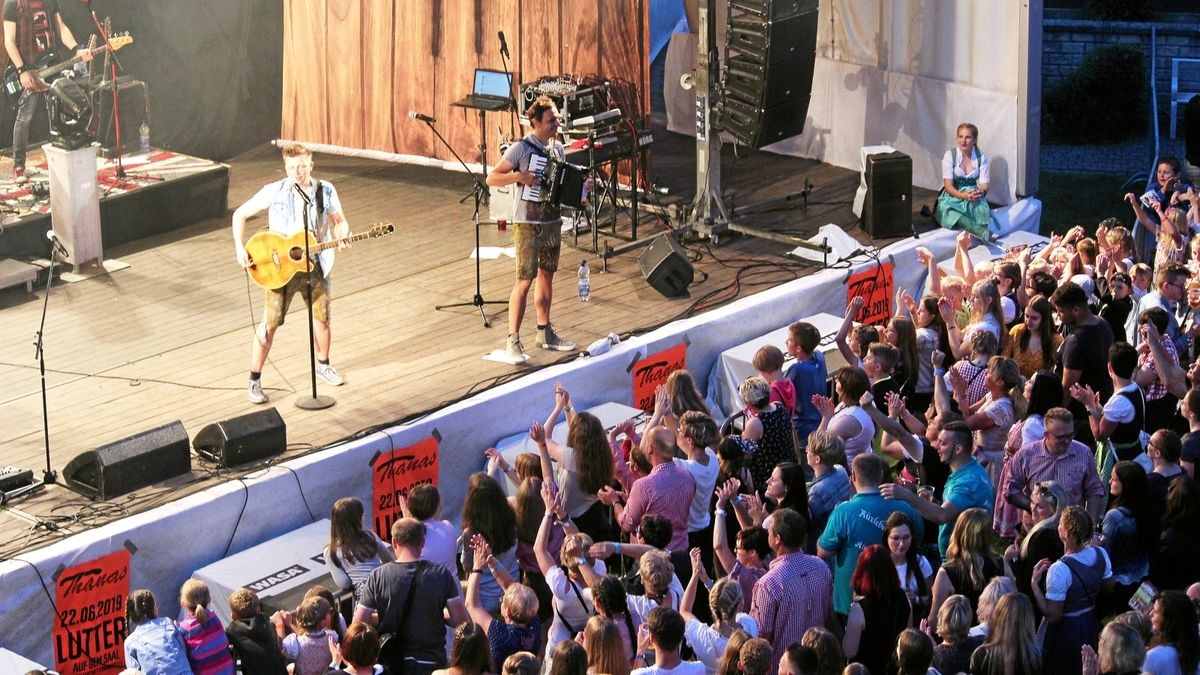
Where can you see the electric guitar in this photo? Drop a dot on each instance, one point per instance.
(42, 68)
(275, 259)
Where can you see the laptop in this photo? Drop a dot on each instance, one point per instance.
(492, 91)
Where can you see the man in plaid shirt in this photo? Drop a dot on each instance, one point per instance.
(796, 593)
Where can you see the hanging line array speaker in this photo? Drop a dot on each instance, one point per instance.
(771, 49)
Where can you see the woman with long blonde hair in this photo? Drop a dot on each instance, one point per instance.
(605, 647)
(1011, 647)
(969, 563)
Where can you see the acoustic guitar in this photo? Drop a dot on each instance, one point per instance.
(275, 259)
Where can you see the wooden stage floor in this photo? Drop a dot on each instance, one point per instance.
(168, 338)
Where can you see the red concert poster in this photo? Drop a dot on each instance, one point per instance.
(653, 371)
(89, 632)
(394, 474)
(875, 286)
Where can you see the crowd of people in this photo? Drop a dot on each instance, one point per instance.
(1001, 481)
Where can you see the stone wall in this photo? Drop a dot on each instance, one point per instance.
(1065, 41)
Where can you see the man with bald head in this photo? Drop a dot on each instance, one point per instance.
(667, 491)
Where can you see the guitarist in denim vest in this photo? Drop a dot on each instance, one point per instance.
(285, 213)
(33, 29)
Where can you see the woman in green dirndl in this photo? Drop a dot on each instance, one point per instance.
(962, 203)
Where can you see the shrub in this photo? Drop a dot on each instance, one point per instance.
(1103, 101)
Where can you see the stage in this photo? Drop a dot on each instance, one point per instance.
(147, 193)
(169, 338)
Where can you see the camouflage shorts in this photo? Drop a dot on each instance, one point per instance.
(537, 246)
(277, 301)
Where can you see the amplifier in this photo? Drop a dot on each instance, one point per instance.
(573, 101)
(773, 10)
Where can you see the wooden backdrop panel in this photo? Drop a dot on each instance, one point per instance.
(304, 71)
(412, 83)
(541, 41)
(378, 116)
(420, 55)
(344, 35)
(618, 24)
(580, 38)
(454, 67)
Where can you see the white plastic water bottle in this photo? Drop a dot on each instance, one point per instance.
(603, 344)
(144, 137)
(585, 282)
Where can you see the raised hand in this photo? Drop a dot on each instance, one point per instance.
(896, 404)
(823, 404)
(662, 401)
(538, 433)
(494, 457)
(963, 240)
(726, 491)
(755, 508)
(562, 399)
(908, 301)
(924, 255)
(855, 306)
(1084, 395)
(946, 310)
(936, 358)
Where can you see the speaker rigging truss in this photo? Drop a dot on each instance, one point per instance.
(771, 46)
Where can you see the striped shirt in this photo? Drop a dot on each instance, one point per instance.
(1074, 469)
(207, 646)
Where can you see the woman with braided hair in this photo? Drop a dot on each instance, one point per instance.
(725, 599)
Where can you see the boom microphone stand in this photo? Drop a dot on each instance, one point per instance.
(314, 402)
(481, 196)
(116, 97)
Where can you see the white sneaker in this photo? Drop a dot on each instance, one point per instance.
(515, 351)
(327, 372)
(254, 392)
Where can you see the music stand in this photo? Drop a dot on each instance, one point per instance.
(481, 194)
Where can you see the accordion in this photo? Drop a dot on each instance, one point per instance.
(561, 183)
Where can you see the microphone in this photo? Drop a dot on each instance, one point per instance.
(303, 194)
(504, 46)
(57, 245)
(424, 118)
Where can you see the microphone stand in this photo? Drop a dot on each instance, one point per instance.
(49, 477)
(315, 401)
(120, 174)
(481, 194)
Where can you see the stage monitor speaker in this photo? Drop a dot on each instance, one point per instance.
(887, 209)
(666, 266)
(243, 439)
(135, 109)
(770, 54)
(131, 463)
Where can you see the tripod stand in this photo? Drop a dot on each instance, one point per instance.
(480, 193)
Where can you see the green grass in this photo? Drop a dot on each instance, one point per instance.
(1070, 199)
